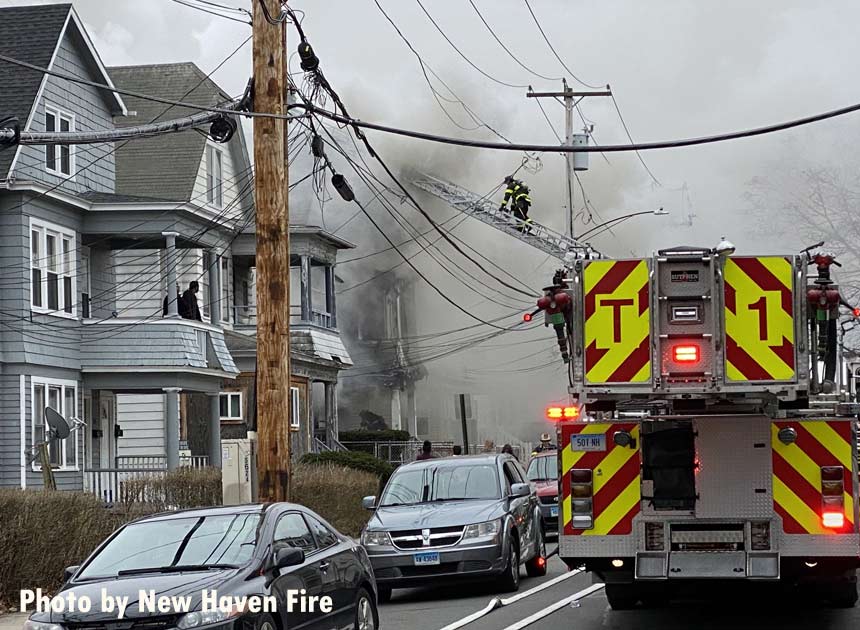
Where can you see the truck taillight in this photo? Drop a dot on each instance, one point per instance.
(685, 354)
(562, 413)
(760, 536)
(581, 493)
(832, 497)
(654, 537)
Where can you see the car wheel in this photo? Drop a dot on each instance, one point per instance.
(383, 594)
(536, 567)
(509, 581)
(265, 622)
(622, 596)
(365, 612)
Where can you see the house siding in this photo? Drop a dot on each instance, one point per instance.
(14, 277)
(10, 430)
(139, 287)
(142, 420)
(91, 113)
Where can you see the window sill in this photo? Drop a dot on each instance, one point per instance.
(38, 469)
(232, 420)
(68, 177)
(41, 310)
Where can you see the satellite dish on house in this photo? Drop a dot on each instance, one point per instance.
(59, 427)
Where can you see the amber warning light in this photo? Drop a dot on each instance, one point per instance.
(562, 413)
(685, 354)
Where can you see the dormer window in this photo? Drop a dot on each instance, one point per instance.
(59, 158)
(214, 176)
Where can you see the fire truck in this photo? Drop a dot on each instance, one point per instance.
(702, 441)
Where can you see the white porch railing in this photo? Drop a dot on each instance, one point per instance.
(107, 483)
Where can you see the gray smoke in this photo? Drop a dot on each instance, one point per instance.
(679, 69)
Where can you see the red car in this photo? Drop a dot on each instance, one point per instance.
(543, 472)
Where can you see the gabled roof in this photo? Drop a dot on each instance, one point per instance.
(167, 163)
(33, 34)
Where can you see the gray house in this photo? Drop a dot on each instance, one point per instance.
(95, 243)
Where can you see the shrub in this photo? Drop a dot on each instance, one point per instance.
(41, 533)
(180, 488)
(388, 435)
(352, 459)
(335, 493)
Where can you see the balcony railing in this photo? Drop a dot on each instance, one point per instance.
(246, 316)
(108, 483)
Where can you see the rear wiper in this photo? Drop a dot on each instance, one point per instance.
(176, 568)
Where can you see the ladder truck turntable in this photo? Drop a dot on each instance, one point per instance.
(703, 443)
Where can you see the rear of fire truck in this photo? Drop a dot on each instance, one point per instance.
(695, 449)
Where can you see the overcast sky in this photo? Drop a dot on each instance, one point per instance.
(678, 69)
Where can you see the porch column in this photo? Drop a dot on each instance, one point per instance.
(215, 430)
(331, 412)
(395, 409)
(329, 295)
(172, 427)
(214, 272)
(306, 289)
(413, 409)
(170, 265)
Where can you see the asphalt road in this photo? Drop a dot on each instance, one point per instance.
(715, 608)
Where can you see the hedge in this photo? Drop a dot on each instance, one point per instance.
(353, 459)
(388, 435)
(335, 493)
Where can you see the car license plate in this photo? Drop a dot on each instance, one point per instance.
(588, 442)
(426, 558)
(553, 512)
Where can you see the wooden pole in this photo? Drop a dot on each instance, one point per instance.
(273, 257)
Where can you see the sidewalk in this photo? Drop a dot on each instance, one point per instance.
(13, 621)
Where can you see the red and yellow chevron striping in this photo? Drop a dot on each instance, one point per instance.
(615, 479)
(797, 490)
(617, 321)
(759, 315)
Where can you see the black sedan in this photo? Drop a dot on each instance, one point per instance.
(272, 567)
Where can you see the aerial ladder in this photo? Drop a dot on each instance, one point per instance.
(487, 211)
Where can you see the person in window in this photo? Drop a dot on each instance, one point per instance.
(426, 451)
(188, 307)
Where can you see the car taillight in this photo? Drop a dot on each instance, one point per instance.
(581, 492)
(832, 497)
(654, 537)
(760, 535)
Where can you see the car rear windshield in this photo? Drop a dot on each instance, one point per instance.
(442, 483)
(223, 539)
(543, 468)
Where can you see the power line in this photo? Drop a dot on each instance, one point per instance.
(460, 52)
(536, 148)
(506, 49)
(549, 44)
(630, 137)
(210, 12)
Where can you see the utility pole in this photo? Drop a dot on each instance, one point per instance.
(271, 195)
(569, 139)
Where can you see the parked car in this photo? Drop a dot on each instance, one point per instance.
(543, 472)
(251, 550)
(469, 517)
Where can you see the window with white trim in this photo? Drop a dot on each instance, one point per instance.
(203, 281)
(62, 397)
(295, 408)
(214, 176)
(52, 269)
(231, 405)
(59, 158)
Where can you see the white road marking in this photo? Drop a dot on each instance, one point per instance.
(555, 607)
(499, 602)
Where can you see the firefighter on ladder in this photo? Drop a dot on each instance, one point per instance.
(518, 195)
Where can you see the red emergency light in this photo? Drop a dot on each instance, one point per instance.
(685, 354)
(833, 520)
(527, 317)
(562, 413)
